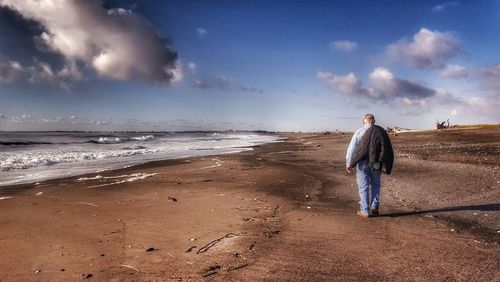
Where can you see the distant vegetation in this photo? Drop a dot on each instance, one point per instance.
(476, 126)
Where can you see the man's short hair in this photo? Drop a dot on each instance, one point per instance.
(369, 116)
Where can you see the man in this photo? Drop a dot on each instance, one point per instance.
(371, 152)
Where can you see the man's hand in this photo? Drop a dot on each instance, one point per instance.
(348, 169)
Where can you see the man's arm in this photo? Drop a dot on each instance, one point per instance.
(350, 150)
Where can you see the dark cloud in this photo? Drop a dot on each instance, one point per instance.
(19, 40)
(386, 87)
(411, 89)
(114, 43)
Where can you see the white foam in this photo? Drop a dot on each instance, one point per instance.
(89, 178)
(25, 160)
(110, 140)
(5, 198)
(125, 178)
(143, 138)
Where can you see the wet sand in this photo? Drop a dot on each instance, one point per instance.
(285, 211)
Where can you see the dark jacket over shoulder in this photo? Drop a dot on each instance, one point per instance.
(374, 146)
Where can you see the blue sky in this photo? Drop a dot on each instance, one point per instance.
(271, 65)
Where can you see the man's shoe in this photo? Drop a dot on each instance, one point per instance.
(374, 211)
(362, 214)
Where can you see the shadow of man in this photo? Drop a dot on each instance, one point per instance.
(485, 207)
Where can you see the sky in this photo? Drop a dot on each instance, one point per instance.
(247, 65)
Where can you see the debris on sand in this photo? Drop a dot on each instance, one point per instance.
(151, 249)
(237, 267)
(214, 242)
(87, 203)
(211, 270)
(87, 276)
(190, 249)
(252, 246)
(138, 270)
(271, 233)
(172, 199)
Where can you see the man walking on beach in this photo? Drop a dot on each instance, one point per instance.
(370, 151)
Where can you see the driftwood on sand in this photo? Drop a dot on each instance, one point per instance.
(214, 242)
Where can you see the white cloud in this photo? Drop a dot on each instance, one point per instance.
(71, 71)
(222, 83)
(190, 68)
(27, 119)
(120, 11)
(348, 84)
(454, 71)
(410, 112)
(428, 49)
(483, 107)
(202, 33)
(43, 72)
(201, 84)
(440, 98)
(176, 72)
(480, 109)
(9, 70)
(490, 77)
(24, 118)
(116, 44)
(443, 6)
(344, 45)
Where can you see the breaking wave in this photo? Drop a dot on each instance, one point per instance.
(25, 157)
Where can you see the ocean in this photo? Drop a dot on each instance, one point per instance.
(28, 157)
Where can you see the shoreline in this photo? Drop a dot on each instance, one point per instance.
(33, 183)
(283, 211)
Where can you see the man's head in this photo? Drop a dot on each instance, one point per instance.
(368, 119)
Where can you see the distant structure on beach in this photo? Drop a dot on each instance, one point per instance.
(396, 129)
(442, 125)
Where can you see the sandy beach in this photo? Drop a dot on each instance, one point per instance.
(284, 211)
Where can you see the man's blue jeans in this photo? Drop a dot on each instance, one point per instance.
(367, 176)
